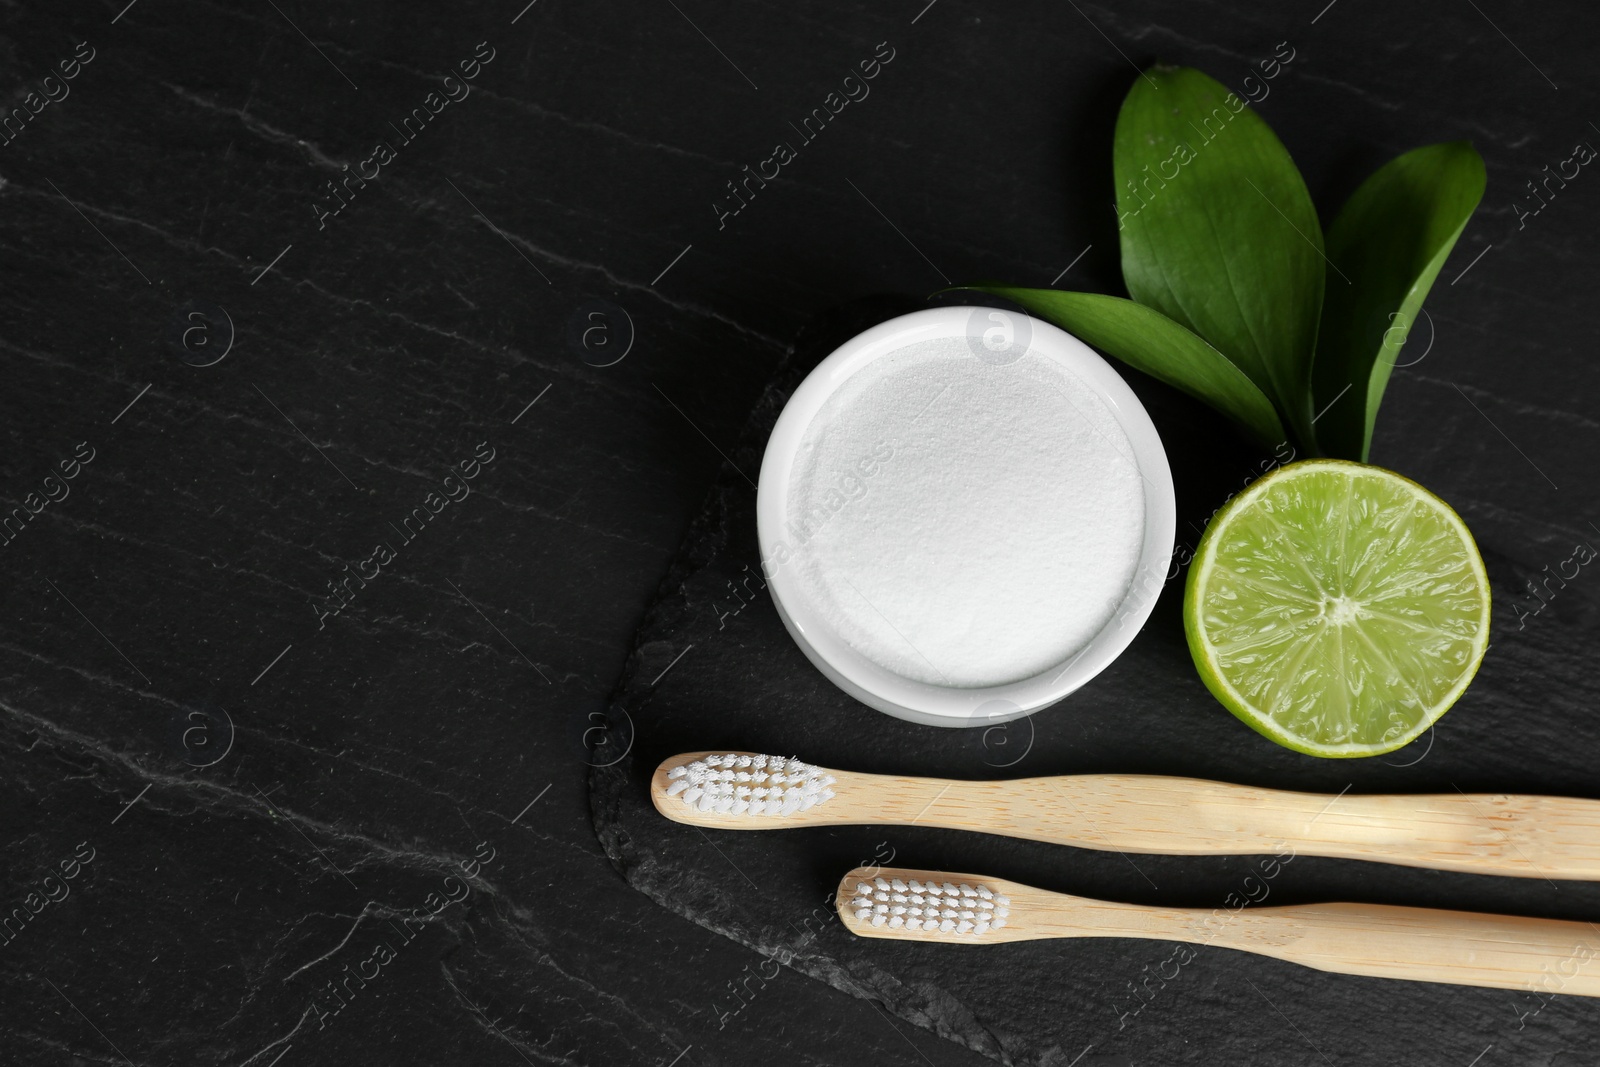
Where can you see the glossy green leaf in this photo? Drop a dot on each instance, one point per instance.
(1391, 239)
(1148, 341)
(1218, 230)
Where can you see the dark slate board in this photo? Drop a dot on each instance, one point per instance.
(706, 674)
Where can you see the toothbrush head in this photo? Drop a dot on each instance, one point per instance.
(945, 907)
(927, 906)
(744, 790)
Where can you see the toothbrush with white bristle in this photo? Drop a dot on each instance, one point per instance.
(1527, 836)
(1376, 940)
(747, 784)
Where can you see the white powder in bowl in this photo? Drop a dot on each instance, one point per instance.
(961, 522)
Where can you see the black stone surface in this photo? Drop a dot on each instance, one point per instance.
(278, 834)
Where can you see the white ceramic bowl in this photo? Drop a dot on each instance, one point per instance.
(911, 699)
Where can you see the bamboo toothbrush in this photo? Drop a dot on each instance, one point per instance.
(1528, 836)
(1420, 944)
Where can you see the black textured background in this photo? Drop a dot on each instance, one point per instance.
(267, 801)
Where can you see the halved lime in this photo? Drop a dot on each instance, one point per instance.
(1337, 608)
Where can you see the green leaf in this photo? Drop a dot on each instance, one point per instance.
(1391, 239)
(1148, 341)
(1218, 230)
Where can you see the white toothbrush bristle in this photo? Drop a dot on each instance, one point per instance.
(928, 907)
(750, 785)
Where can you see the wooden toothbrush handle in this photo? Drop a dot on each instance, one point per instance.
(1505, 834)
(1527, 836)
(1420, 944)
(1540, 956)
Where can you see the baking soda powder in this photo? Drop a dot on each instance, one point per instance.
(961, 522)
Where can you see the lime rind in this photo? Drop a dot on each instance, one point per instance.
(1264, 587)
